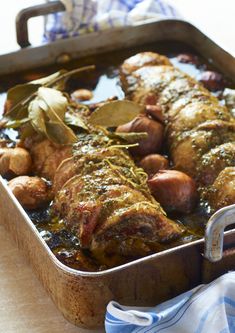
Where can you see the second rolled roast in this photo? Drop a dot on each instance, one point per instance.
(200, 133)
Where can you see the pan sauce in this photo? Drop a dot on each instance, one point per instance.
(104, 84)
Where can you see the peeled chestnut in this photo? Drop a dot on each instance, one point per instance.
(82, 95)
(153, 163)
(154, 129)
(174, 190)
(31, 192)
(212, 80)
(15, 161)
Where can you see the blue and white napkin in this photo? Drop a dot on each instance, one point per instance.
(205, 309)
(84, 16)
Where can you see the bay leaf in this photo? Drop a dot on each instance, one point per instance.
(39, 108)
(36, 116)
(26, 131)
(16, 123)
(55, 101)
(50, 80)
(47, 112)
(18, 94)
(74, 118)
(59, 133)
(66, 75)
(115, 113)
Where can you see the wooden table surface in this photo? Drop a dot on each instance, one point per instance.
(24, 305)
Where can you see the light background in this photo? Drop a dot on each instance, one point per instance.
(24, 305)
(215, 17)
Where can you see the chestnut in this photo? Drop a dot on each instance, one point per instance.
(155, 111)
(174, 190)
(31, 192)
(15, 161)
(153, 163)
(154, 129)
(82, 95)
(213, 81)
(187, 58)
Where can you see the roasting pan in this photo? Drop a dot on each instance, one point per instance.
(82, 296)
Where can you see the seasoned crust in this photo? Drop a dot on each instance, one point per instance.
(187, 106)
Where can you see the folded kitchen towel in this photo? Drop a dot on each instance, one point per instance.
(83, 16)
(205, 309)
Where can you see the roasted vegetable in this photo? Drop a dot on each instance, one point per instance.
(32, 192)
(212, 80)
(200, 132)
(153, 142)
(174, 190)
(153, 163)
(14, 161)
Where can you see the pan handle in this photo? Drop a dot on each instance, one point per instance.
(25, 14)
(214, 236)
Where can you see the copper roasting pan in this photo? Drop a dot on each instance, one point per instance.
(82, 296)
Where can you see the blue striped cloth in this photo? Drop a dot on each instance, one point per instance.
(83, 16)
(205, 309)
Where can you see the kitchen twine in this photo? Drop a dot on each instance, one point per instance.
(84, 16)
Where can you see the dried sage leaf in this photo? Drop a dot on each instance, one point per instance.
(115, 113)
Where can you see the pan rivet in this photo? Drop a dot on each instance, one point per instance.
(63, 58)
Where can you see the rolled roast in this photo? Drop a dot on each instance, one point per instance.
(200, 132)
(104, 199)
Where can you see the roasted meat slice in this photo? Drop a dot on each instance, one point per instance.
(65, 171)
(213, 162)
(197, 142)
(107, 203)
(193, 115)
(222, 192)
(200, 132)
